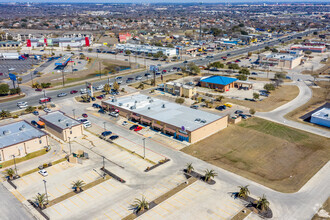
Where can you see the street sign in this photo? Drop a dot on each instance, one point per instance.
(12, 76)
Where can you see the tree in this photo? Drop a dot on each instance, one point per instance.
(189, 167)
(4, 89)
(209, 174)
(68, 47)
(249, 54)
(140, 204)
(170, 45)
(39, 74)
(243, 191)
(90, 50)
(78, 185)
(241, 77)
(274, 50)
(217, 64)
(256, 95)
(280, 76)
(234, 66)
(194, 69)
(252, 111)
(241, 25)
(116, 86)
(263, 203)
(128, 52)
(269, 87)
(30, 109)
(40, 199)
(10, 172)
(107, 88)
(267, 48)
(179, 100)
(141, 86)
(244, 71)
(19, 79)
(5, 114)
(244, 33)
(219, 98)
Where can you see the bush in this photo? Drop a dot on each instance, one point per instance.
(30, 109)
(269, 87)
(241, 77)
(15, 116)
(252, 111)
(179, 100)
(244, 71)
(256, 95)
(233, 66)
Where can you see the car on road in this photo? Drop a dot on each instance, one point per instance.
(96, 105)
(83, 91)
(21, 103)
(147, 75)
(119, 79)
(43, 172)
(22, 106)
(45, 100)
(113, 137)
(254, 73)
(158, 73)
(38, 89)
(62, 94)
(238, 112)
(73, 91)
(129, 80)
(138, 77)
(47, 110)
(101, 111)
(228, 105)
(84, 115)
(124, 123)
(11, 69)
(194, 106)
(133, 127)
(138, 128)
(106, 133)
(74, 70)
(288, 77)
(114, 114)
(185, 61)
(164, 71)
(35, 113)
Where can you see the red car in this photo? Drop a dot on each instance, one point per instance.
(38, 89)
(84, 115)
(100, 97)
(73, 92)
(164, 71)
(138, 128)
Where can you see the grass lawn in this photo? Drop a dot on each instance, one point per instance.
(277, 98)
(37, 169)
(326, 207)
(320, 96)
(21, 159)
(11, 98)
(274, 155)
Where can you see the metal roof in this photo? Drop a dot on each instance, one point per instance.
(164, 111)
(18, 132)
(60, 120)
(221, 80)
(323, 113)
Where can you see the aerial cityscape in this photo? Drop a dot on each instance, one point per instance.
(164, 110)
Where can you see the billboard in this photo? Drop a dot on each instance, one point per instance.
(12, 76)
(153, 68)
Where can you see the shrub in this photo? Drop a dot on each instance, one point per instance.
(241, 77)
(252, 111)
(269, 87)
(15, 116)
(179, 100)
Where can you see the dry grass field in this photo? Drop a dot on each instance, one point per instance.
(274, 155)
(277, 98)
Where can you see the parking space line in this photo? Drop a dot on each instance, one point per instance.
(186, 191)
(66, 186)
(56, 210)
(59, 190)
(81, 198)
(219, 216)
(104, 188)
(170, 204)
(24, 181)
(96, 191)
(51, 194)
(178, 201)
(239, 206)
(65, 207)
(89, 194)
(157, 212)
(224, 211)
(73, 202)
(121, 206)
(21, 195)
(111, 184)
(165, 209)
(182, 196)
(236, 210)
(16, 196)
(107, 216)
(164, 186)
(117, 213)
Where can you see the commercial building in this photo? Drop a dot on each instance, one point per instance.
(178, 121)
(9, 56)
(63, 61)
(59, 42)
(9, 44)
(19, 139)
(321, 117)
(146, 49)
(286, 59)
(62, 126)
(218, 82)
(179, 89)
(315, 49)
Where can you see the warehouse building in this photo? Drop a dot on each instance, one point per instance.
(62, 126)
(178, 121)
(321, 117)
(146, 49)
(286, 60)
(315, 49)
(59, 42)
(19, 139)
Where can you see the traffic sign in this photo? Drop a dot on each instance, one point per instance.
(12, 76)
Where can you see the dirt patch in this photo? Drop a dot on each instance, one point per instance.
(279, 97)
(274, 155)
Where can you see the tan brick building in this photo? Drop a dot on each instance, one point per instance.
(179, 89)
(19, 139)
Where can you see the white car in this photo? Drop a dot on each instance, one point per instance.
(47, 110)
(87, 125)
(100, 87)
(114, 114)
(22, 106)
(21, 103)
(11, 69)
(83, 91)
(124, 123)
(43, 172)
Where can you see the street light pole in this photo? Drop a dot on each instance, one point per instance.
(15, 164)
(46, 190)
(144, 148)
(74, 115)
(70, 145)
(104, 125)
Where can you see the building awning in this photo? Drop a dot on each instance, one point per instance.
(158, 126)
(170, 130)
(145, 120)
(135, 117)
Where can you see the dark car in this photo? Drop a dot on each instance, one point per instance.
(106, 133)
(221, 107)
(38, 90)
(238, 112)
(101, 111)
(147, 74)
(84, 115)
(73, 91)
(35, 113)
(96, 105)
(33, 122)
(243, 116)
(133, 127)
(113, 137)
(185, 61)
(100, 96)
(194, 106)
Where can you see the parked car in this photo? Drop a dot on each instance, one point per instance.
(84, 115)
(47, 110)
(124, 123)
(185, 61)
(164, 71)
(228, 105)
(96, 105)
(22, 106)
(133, 127)
(43, 172)
(101, 111)
(38, 89)
(73, 91)
(74, 70)
(100, 96)
(138, 128)
(62, 94)
(113, 137)
(221, 107)
(194, 106)
(114, 114)
(34, 123)
(82, 120)
(243, 116)
(35, 113)
(238, 112)
(106, 133)
(129, 80)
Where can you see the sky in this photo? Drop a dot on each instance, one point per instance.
(164, 1)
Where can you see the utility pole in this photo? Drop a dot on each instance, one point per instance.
(15, 165)
(200, 22)
(144, 148)
(46, 190)
(100, 68)
(63, 77)
(31, 79)
(70, 145)
(104, 125)
(74, 115)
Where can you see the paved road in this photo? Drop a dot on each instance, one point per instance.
(277, 115)
(11, 208)
(33, 100)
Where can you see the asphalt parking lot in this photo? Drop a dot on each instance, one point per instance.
(17, 66)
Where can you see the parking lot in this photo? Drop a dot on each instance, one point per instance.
(17, 66)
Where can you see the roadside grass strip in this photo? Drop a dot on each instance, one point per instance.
(37, 169)
(163, 198)
(71, 194)
(21, 159)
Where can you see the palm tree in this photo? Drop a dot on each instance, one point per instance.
(10, 172)
(40, 199)
(78, 184)
(189, 167)
(263, 203)
(141, 204)
(244, 191)
(209, 174)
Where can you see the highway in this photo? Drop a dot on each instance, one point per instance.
(34, 100)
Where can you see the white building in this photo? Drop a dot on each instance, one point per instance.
(146, 49)
(321, 117)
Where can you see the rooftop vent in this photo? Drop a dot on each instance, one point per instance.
(163, 106)
(148, 97)
(197, 119)
(203, 121)
(120, 104)
(149, 108)
(133, 107)
(150, 101)
(59, 120)
(22, 128)
(67, 124)
(5, 132)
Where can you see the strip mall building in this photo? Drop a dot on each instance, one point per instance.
(178, 121)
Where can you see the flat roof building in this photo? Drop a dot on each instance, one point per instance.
(315, 49)
(146, 49)
(181, 122)
(179, 89)
(321, 117)
(19, 139)
(62, 126)
(286, 59)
